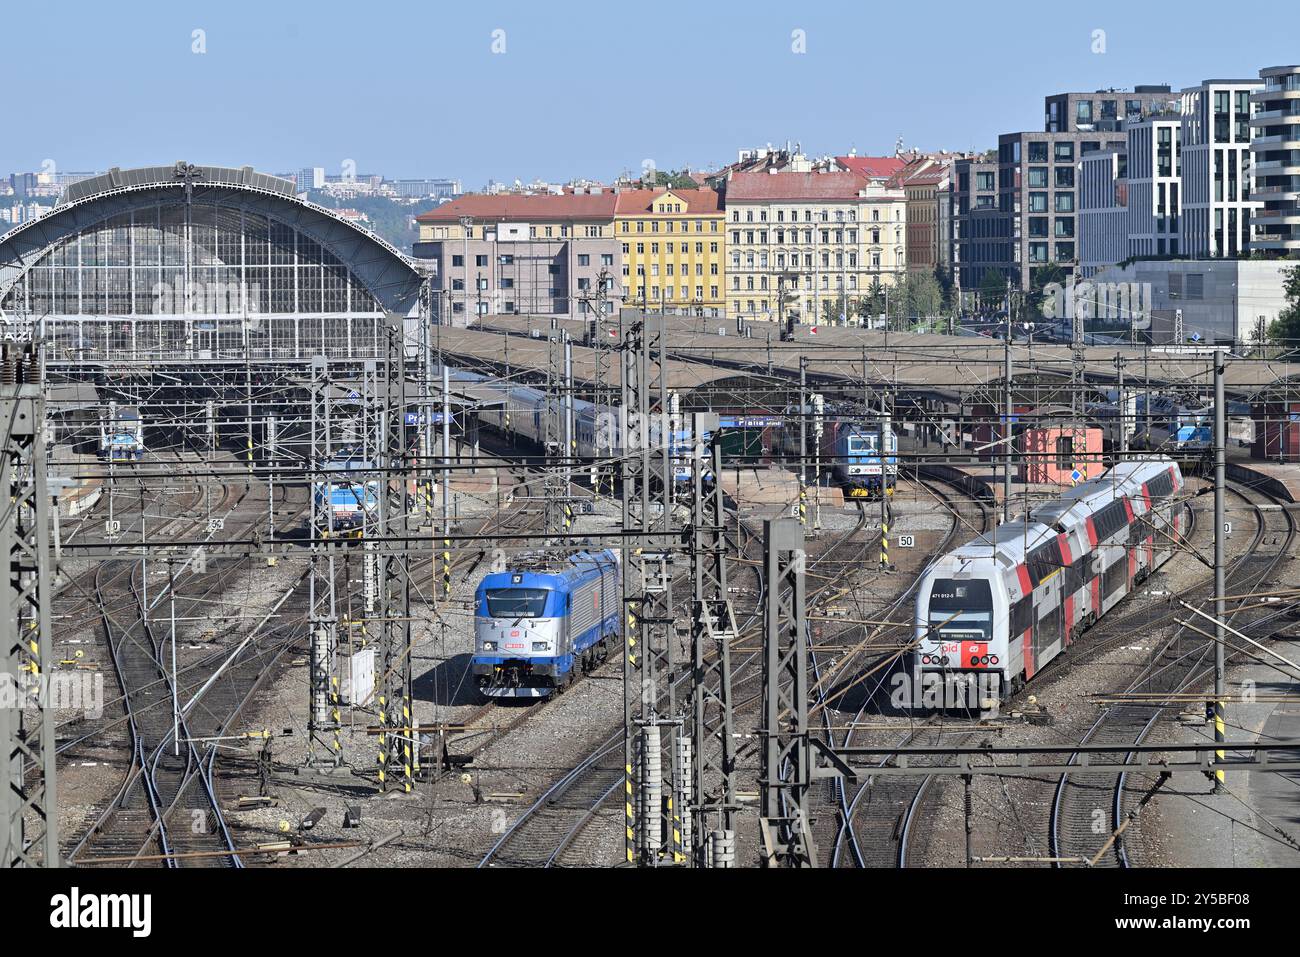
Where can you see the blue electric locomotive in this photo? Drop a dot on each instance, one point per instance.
(534, 631)
(856, 454)
(349, 503)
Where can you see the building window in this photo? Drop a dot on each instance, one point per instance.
(458, 261)
(1065, 452)
(584, 259)
(1037, 153)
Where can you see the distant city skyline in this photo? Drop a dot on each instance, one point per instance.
(588, 91)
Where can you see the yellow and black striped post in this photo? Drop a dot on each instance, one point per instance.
(406, 744)
(1220, 736)
(803, 504)
(383, 744)
(629, 796)
(336, 715)
(446, 569)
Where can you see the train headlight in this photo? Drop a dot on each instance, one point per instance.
(993, 659)
(925, 659)
(539, 646)
(984, 660)
(974, 659)
(489, 646)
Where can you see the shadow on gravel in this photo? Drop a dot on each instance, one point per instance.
(449, 683)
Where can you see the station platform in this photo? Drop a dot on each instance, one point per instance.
(76, 496)
(983, 481)
(1282, 481)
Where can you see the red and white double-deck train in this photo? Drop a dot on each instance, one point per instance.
(995, 611)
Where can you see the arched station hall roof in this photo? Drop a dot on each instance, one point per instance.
(385, 273)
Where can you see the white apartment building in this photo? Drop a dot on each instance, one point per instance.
(1153, 187)
(1276, 157)
(799, 241)
(1217, 207)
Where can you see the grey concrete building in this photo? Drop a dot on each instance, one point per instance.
(1105, 111)
(980, 232)
(1103, 211)
(1038, 191)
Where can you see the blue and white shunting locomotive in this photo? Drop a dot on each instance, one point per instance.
(849, 449)
(534, 631)
(349, 503)
(121, 439)
(992, 613)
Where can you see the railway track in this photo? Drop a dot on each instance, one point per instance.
(1183, 662)
(167, 807)
(873, 823)
(549, 832)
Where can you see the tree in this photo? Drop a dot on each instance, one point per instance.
(992, 292)
(943, 276)
(1039, 280)
(677, 179)
(874, 304)
(916, 296)
(1285, 329)
(837, 310)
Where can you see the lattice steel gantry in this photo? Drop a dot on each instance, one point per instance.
(713, 629)
(29, 801)
(398, 752)
(324, 721)
(649, 703)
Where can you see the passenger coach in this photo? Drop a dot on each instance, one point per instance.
(997, 610)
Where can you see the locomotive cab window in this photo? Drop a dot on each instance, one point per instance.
(859, 444)
(516, 602)
(969, 600)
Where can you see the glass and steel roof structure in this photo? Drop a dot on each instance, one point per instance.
(194, 263)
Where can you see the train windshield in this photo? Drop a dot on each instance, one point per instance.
(516, 602)
(962, 608)
(859, 444)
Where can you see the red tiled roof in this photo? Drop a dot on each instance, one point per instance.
(696, 201)
(794, 186)
(513, 207)
(873, 167)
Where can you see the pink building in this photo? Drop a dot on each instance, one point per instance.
(1052, 454)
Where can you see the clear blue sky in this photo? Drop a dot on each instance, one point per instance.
(583, 88)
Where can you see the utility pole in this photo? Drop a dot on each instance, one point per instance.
(29, 808)
(1006, 415)
(1122, 407)
(803, 440)
(882, 450)
(1220, 573)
